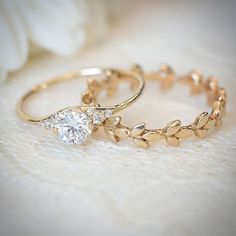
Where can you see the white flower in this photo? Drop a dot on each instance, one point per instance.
(59, 26)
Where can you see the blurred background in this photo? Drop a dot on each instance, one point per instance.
(102, 188)
(66, 28)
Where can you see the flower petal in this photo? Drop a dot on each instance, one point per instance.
(97, 20)
(55, 25)
(13, 43)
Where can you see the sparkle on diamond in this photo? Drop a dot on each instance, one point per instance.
(73, 127)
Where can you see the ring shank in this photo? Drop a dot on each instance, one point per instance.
(81, 73)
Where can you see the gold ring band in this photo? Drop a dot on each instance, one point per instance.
(74, 124)
(174, 131)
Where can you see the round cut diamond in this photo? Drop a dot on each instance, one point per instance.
(73, 127)
(98, 117)
(107, 113)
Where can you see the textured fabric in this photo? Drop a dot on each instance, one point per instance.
(101, 188)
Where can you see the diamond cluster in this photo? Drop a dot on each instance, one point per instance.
(75, 126)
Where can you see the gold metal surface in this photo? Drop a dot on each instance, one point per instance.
(111, 78)
(174, 131)
(140, 134)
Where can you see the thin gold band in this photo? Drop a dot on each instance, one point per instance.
(74, 124)
(111, 76)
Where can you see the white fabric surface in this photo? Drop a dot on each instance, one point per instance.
(48, 188)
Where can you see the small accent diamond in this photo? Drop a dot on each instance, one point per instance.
(48, 123)
(100, 116)
(107, 113)
(90, 111)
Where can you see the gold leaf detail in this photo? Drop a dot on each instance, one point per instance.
(137, 68)
(87, 97)
(216, 106)
(110, 133)
(201, 120)
(113, 121)
(138, 129)
(141, 142)
(152, 136)
(167, 82)
(201, 133)
(122, 132)
(184, 132)
(172, 127)
(210, 124)
(172, 140)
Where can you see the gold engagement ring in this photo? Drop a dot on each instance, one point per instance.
(73, 125)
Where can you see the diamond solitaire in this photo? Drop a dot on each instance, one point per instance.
(75, 126)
